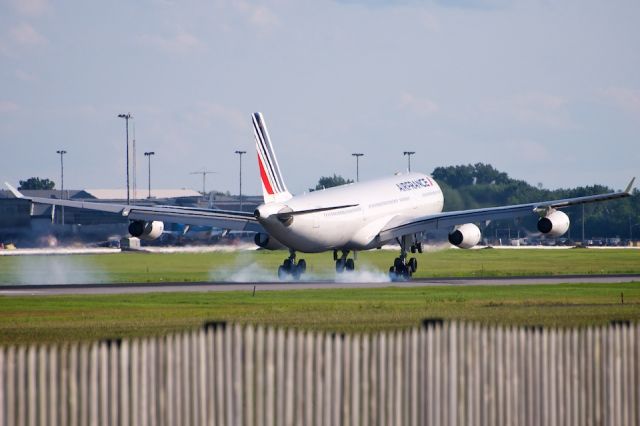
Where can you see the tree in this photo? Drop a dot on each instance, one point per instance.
(331, 181)
(36, 183)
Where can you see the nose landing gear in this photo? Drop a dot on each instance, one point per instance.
(290, 268)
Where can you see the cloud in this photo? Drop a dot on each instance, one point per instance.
(25, 34)
(257, 15)
(30, 7)
(8, 106)
(417, 105)
(181, 42)
(623, 98)
(207, 113)
(531, 150)
(532, 108)
(460, 4)
(25, 76)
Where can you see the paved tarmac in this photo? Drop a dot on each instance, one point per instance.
(60, 289)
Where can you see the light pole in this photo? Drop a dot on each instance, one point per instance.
(149, 154)
(240, 155)
(204, 174)
(127, 117)
(357, 155)
(62, 152)
(409, 154)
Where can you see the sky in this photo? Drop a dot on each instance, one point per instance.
(547, 91)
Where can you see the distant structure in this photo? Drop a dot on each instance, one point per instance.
(36, 225)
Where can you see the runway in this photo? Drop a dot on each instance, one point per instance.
(128, 288)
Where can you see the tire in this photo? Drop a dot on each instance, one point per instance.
(282, 273)
(392, 274)
(406, 273)
(296, 271)
(397, 263)
(339, 266)
(413, 265)
(302, 266)
(350, 265)
(287, 264)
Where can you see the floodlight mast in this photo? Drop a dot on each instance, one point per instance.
(409, 154)
(357, 155)
(127, 117)
(204, 174)
(240, 155)
(148, 155)
(62, 152)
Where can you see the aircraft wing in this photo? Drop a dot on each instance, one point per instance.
(405, 226)
(239, 221)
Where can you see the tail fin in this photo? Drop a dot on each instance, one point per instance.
(273, 187)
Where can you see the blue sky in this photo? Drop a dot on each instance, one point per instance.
(546, 91)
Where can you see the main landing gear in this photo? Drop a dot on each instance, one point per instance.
(290, 268)
(403, 269)
(342, 263)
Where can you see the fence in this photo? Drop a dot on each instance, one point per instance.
(443, 373)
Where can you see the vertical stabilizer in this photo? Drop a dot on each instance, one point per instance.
(273, 187)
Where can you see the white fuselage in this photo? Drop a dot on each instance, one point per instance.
(405, 195)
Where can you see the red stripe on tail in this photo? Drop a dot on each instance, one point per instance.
(263, 176)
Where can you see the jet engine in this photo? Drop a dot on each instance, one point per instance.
(146, 230)
(554, 224)
(465, 236)
(266, 241)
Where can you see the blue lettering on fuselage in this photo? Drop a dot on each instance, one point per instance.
(414, 184)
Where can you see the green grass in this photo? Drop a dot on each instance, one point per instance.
(191, 267)
(63, 318)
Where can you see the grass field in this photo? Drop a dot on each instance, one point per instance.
(60, 318)
(63, 318)
(262, 265)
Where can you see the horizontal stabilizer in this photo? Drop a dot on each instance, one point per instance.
(630, 186)
(14, 191)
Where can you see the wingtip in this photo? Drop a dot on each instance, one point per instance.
(14, 191)
(630, 186)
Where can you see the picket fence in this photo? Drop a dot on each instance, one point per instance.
(444, 373)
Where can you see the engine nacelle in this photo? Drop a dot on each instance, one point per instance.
(146, 230)
(554, 224)
(465, 236)
(266, 241)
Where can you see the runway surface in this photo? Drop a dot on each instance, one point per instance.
(62, 289)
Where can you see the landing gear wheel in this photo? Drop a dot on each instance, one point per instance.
(398, 263)
(340, 264)
(296, 271)
(282, 273)
(406, 272)
(350, 265)
(413, 265)
(289, 267)
(392, 274)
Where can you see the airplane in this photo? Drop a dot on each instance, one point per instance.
(344, 219)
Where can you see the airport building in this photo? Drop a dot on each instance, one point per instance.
(35, 225)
